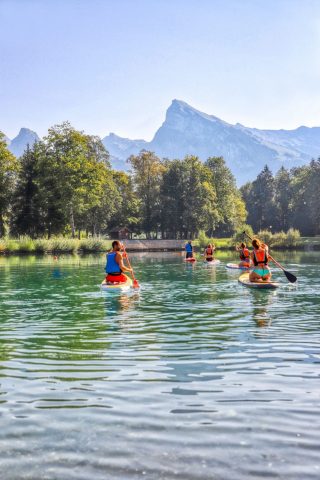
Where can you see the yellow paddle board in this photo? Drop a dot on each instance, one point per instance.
(124, 286)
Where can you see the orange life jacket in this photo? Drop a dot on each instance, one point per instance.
(209, 251)
(260, 257)
(244, 254)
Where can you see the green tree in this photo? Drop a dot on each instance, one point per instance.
(200, 211)
(147, 172)
(283, 198)
(27, 209)
(128, 205)
(305, 198)
(230, 205)
(313, 195)
(188, 198)
(74, 169)
(173, 200)
(8, 171)
(260, 202)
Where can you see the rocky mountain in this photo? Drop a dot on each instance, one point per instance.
(20, 142)
(189, 131)
(246, 150)
(121, 148)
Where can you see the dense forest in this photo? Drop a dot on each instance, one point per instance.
(290, 199)
(65, 185)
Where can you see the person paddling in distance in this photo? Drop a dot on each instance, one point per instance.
(209, 252)
(260, 258)
(115, 267)
(189, 249)
(244, 255)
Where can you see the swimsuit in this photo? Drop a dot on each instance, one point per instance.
(262, 271)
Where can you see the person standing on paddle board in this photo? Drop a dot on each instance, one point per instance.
(244, 255)
(189, 249)
(260, 258)
(115, 267)
(209, 252)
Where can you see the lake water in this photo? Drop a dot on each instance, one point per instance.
(195, 377)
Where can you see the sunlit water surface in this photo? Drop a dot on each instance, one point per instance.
(195, 377)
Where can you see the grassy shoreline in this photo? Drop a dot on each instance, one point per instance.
(62, 245)
(54, 245)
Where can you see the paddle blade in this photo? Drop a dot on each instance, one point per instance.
(135, 283)
(292, 278)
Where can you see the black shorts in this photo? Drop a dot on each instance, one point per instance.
(189, 255)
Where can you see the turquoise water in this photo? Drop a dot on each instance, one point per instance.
(194, 377)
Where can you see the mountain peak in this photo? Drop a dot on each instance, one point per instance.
(27, 131)
(25, 137)
(183, 109)
(180, 103)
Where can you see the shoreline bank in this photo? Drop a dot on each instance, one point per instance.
(58, 246)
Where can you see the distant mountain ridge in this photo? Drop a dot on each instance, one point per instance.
(19, 143)
(187, 130)
(246, 150)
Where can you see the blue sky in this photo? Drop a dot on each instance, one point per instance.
(115, 65)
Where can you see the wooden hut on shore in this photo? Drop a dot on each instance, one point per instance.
(120, 233)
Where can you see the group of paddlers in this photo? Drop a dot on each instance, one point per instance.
(257, 259)
(208, 251)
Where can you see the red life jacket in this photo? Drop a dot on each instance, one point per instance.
(260, 257)
(209, 251)
(244, 254)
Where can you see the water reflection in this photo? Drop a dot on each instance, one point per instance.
(119, 302)
(261, 301)
(57, 273)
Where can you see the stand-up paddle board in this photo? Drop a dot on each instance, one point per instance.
(236, 266)
(244, 280)
(120, 287)
(212, 263)
(190, 260)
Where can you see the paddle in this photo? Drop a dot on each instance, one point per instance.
(135, 281)
(292, 278)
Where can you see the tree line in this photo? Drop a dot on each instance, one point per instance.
(289, 199)
(64, 184)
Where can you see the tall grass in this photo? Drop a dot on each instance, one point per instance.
(42, 245)
(66, 245)
(219, 243)
(25, 244)
(94, 244)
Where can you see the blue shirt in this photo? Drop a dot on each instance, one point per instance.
(189, 247)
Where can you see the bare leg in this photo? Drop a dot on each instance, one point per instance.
(267, 278)
(254, 277)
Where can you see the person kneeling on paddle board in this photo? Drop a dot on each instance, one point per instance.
(260, 258)
(189, 249)
(244, 255)
(115, 267)
(209, 252)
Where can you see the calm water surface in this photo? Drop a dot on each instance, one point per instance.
(195, 377)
